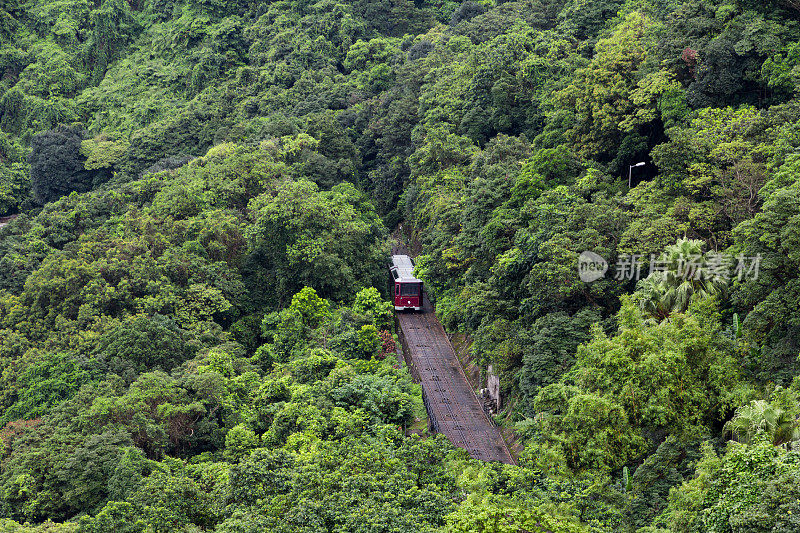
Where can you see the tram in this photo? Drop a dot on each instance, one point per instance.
(406, 289)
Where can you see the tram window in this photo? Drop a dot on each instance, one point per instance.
(397, 289)
(409, 289)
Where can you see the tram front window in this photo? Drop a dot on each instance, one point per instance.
(409, 289)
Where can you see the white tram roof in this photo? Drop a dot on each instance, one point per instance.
(403, 269)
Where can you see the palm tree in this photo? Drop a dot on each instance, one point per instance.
(760, 415)
(653, 296)
(671, 290)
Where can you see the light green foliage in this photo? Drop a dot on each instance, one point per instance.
(757, 416)
(775, 419)
(372, 59)
(14, 187)
(750, 487)
(290, 329)
(46, 527)
(369, 303)
(45, 383)
(326, 239)
(781, 71)
(496, 516)
(607, 102)
(724, 163)
(369, 343)
(678, 377)
(684, 279)
(312, 309)
(102, 153)
(117, 516)
(14, 181)
(239, 441)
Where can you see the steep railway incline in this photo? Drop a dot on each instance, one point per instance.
(452, 406)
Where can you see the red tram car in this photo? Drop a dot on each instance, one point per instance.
(407, 289)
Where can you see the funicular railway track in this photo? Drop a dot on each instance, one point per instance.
(452, 406)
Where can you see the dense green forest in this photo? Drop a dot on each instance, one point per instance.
(194, 326)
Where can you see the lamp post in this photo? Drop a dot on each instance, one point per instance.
(630, 171)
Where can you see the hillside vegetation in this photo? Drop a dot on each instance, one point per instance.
(194, 326)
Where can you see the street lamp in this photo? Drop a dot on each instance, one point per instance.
(630, 171)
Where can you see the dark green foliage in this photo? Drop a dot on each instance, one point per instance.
(74, 466)
(420, 50)
(548, 348)
(45, 383)
(14, 178)
(584, 20)
(466, 11)
(651, 482)
(771, 234)
(167, 163)
(323, 239)
(57, 166)
(142, 343)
